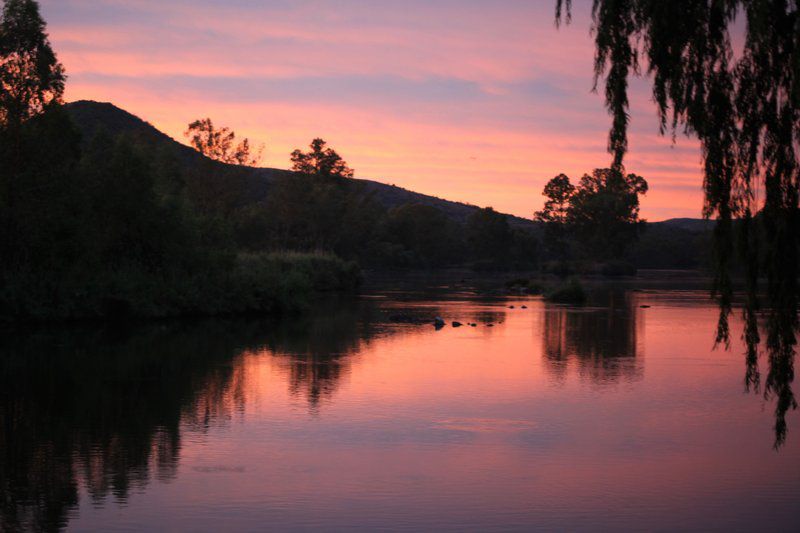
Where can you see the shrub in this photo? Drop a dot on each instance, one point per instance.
(268, 283)
(570, 293)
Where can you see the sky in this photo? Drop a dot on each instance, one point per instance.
(479, 101)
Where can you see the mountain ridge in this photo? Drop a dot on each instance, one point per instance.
(91, 116)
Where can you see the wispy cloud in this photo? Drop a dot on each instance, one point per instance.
(475, 100)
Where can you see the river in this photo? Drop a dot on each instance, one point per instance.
(616, 415)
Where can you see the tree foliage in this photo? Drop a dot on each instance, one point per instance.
(744, 107)
(31, 78)
(307, 212)
(554, 214)
(602, 212)
(558, 192)
(489, 234)
(104, 226)
(220, 144)
(425, 232)
(320, 161)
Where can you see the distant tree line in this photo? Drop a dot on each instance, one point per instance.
(320, 207)
(597, 220)
(101, 226)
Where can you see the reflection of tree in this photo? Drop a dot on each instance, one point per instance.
(98, 408)
(600, 343)
(739, 97)
(317, 348)
(105, 409)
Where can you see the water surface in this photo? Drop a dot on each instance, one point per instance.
(604, 417)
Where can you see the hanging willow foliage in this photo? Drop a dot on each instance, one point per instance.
(744, 107)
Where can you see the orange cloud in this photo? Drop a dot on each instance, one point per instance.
(482, 104)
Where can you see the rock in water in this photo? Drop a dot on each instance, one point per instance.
(438, 322)
(457, 324)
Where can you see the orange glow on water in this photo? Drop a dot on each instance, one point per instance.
(605, 416)
(551, 411)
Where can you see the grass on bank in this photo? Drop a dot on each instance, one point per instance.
(265, 283)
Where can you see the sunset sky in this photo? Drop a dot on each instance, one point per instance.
(480, 101)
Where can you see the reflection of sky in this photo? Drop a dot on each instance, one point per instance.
(467, 429)
(474, 100)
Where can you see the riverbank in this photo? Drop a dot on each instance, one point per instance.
(264, 283)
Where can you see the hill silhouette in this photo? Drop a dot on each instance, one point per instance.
(91, 116)
(675, 243)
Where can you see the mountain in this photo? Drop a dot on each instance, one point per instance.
(91, 117)
(694, 225)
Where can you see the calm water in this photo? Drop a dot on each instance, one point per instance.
(611, 416)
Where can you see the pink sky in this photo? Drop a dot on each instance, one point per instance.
(480, 101)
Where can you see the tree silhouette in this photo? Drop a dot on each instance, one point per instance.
(604, 211)
(424, 231)
(489, 234)
(744, 107)
(31, 78)
(559, 192)
(220, 144)
(320, 161)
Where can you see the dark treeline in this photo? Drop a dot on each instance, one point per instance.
(312, 212)
(595, 225)
(100, 225)
(318, 206)
(97, 219)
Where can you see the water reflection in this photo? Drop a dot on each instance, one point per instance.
(99, 408)
(600, 343)
(104, 409)
(460, 417)
(318, 349)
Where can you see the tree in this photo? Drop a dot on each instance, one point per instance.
(31, 78)
(744, 107)
(425, 232)
(558, 192)
(489, 234)
(304, 212)
(604, 211)
(554, 215)
(220, 144)
(36, 156)
(320, 161)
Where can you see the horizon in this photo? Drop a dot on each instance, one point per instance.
(397, 117)
(363, 178)
(405, 317)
